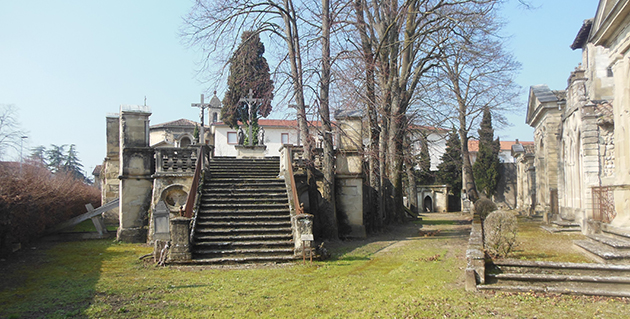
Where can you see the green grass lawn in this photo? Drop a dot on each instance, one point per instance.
(393, 275)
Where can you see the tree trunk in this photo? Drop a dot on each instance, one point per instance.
(327, 209)
(295, 60)
(375, 219)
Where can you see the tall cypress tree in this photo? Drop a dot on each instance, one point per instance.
(248, 70)
(450, 169)
(425, 176)
(486, 168)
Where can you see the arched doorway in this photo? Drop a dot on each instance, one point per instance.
(427, 205)
(185, 141)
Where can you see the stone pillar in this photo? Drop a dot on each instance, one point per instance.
(349, 174)
(136, 168)
(180, 240)
(621, 109)
(111, 168)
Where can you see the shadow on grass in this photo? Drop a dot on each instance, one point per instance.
(53, 280)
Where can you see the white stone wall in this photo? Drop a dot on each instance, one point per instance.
(273, 135)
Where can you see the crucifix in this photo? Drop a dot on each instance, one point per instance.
(250, 100)
(202, 106)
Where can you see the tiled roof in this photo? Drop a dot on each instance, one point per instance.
(180, 122)
(473, 145)
(543, 93)
(279, 123)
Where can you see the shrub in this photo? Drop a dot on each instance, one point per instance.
(484, 206)
(500, 230)
(35, 199)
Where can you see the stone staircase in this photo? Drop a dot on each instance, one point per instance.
(610, 246)
(244, 214)
(562, 278)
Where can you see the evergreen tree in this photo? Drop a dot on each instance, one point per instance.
(72, 163)
(38, 155)
(56, 157)
(486, 168)
(450, 169)
(425, 176)
(248, 70)
(196, 133)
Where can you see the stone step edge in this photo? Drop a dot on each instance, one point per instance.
(559, 265)
(243, 243)
(563, 278)
(283, 237)
(614, 242)
(237, 260)
(240, 230)
(202, 251)
(556, 290)
(601, 250)
(555, 229)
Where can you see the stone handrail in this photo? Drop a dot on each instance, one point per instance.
(202, 154)
(301, 222)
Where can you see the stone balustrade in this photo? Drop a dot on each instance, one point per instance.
(176, 160)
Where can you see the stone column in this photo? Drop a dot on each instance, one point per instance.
(136, 167)
(111, 168)
(349, 174)
(621, 109)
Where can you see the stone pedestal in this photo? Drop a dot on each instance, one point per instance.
(349, 172)
(303, 224)
(246, 151)
(180, 240)
(136, 166)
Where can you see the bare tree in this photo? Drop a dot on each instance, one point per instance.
(10, 132)
(475, 73)
(401, 42)
(211, 22)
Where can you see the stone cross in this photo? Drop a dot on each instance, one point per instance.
(202, 106)
(250, 100)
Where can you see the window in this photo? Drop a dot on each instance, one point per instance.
(215, 117)
(231, 138)
(284, 138)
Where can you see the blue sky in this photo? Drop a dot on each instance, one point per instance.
(67, 64)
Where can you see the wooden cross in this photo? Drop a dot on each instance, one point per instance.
(202, 106)
(250, 100)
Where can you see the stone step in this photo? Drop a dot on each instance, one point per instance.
(243, 244)
(237, 207)
(561, 278)
(556, 290)
(219, 218)
(242, 224)
(276, 189)
(557, 268)
(244, 252)
(602, 252)
(256, 237)
(558, 229)
(242, 260)
(614, 242)
(209, 211)
(565, 223)
(264, 198)
(241, 231)
(618, 232)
